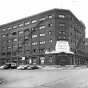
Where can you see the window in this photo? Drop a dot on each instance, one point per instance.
(8, 40)
(34, 50)
(74, 28)
(9, 35)
(50, 57)
(34, 36)
(71, 41)
(62, 32)
(15, 26)
(42, 34)
(8, 28)
(14, 33)
(20, 25)
(8, 53)
(61, 24)
(20, 45)
(20, 52)
(3, 42)
(27, 44)
(14, 39)
(34, 21)
(41, 27)
(3, 54)
(4, 29)
(3, 47)
(50, 40)
(42, 42)
(61, 16)
(26, 23)
(71, 33)
(3, 35)
(70, 17)
(50, 32)
(20, 32)
(50, 49)
(33, 29)
(26, 30)
(71, 26)
(27, 51)
(26, 37)
(20, 38)
(34, 43)
(41, 19)
(42, 50)
(14, 46)
(8, 47)
(50, 16)
(50, 25)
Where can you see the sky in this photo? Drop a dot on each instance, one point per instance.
(11, 10)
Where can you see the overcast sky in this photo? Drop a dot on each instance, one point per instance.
(11, 10)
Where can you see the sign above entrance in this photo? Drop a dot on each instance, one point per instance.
(61, 46)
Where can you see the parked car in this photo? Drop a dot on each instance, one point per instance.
(34, 67)
(29, 68)
(9, 66)
(22, 67)
(6, 66)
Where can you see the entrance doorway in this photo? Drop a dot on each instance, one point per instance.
(62, 60)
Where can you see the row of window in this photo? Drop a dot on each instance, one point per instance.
(76, 31)
(75, 22)
(26, 30)
(26, 37)
(32, 21)
(28, 51)
(27, 44)
(79, 52)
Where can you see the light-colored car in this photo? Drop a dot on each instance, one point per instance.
(34, 67)
(1, 67)
(22, 67)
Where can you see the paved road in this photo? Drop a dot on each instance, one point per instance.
(51, 78)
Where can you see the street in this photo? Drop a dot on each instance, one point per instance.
(44, 78)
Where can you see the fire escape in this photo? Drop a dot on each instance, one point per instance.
(77, 48)
(35, 28)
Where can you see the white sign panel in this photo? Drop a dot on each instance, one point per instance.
(61, 46)
(23, 58)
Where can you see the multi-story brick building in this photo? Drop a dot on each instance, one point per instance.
(53, 37)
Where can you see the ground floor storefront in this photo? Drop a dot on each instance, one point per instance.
(61, 59)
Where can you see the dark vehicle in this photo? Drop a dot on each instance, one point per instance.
(9, 66)
(13, 66)
(6, 66)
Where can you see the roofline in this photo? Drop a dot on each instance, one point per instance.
(54, 9)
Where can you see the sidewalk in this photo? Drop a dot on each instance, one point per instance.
(64, 67)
